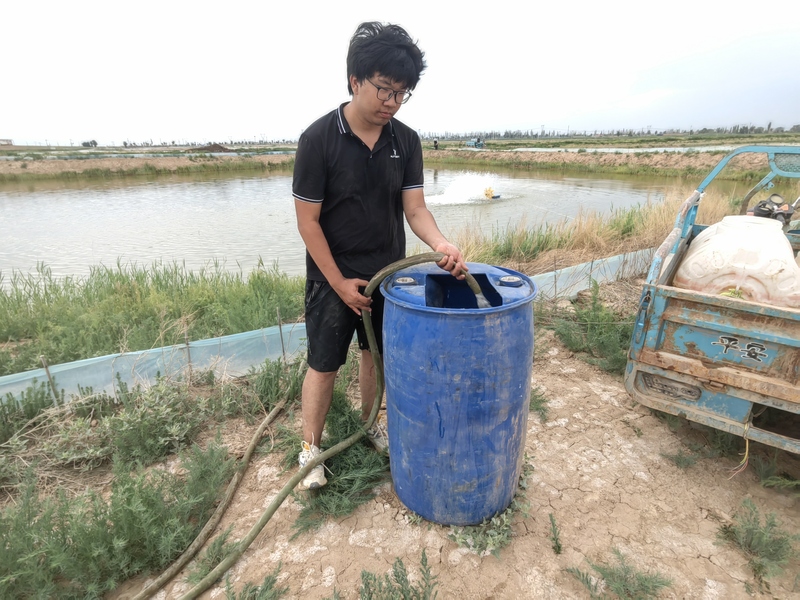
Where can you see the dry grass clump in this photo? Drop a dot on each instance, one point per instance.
(542, 247)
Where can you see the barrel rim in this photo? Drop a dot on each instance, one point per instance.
(428, 269)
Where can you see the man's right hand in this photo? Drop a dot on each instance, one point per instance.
(348, 291)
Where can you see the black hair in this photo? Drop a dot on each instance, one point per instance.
(386, 49)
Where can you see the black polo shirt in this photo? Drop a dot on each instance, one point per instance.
(360, 191)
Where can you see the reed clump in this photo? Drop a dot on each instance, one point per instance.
(539, 248)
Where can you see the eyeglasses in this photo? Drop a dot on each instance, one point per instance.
(386, 94)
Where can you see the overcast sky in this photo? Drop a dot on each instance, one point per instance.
(242, 70)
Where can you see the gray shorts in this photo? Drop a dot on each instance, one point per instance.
(330, 325)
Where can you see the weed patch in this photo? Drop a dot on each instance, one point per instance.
(277, 380)
(217, 550)
(18, 411)
(781, 483)
(765, 467)
(767, 547)
(268, 590)
(76, 544)
(84, 546)
(538, 404)
(494, 534)
(622, 579)
(596, 333)
(681, 460)
(555, 535)
(397, 586)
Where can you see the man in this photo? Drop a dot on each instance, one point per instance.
(357, 172)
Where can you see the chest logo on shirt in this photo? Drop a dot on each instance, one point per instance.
(394, 154)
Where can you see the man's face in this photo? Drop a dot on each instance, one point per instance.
(367, 96)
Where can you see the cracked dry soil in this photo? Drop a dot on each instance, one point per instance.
(597, 468)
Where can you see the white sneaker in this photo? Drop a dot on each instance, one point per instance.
(378, 434)
(316, 478)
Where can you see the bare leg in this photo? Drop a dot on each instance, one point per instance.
(367, 383)
(317, 397)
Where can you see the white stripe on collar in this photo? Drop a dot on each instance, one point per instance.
(340, 120)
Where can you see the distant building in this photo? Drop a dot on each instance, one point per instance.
(6, 142)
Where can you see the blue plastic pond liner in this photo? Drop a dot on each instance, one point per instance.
(567, 282)
(230, 355)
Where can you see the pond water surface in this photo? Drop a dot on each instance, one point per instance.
(239, 221)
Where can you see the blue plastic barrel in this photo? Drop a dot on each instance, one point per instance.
(458, 381)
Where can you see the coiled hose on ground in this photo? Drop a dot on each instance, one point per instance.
(248, 539)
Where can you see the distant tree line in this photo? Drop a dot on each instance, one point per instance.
(537, 134)
(499, 135)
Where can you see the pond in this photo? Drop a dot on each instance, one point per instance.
(239, 221)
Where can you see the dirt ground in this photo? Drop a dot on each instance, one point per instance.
(598, 468)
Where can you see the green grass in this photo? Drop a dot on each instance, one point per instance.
(18, 411)
(780, 482)
(138, 426)
(623, 580)
(769, 471)
(526, 244)
(490, 536)
(723, 443)
(132, 307)
(633, 140)
(275, 381)
(625, 222)
(524, 163)
(768, 547)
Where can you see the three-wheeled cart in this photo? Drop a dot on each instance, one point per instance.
(720, 359)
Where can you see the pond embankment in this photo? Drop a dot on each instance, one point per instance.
(631, 163)
(690, 163)
(123, 166)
